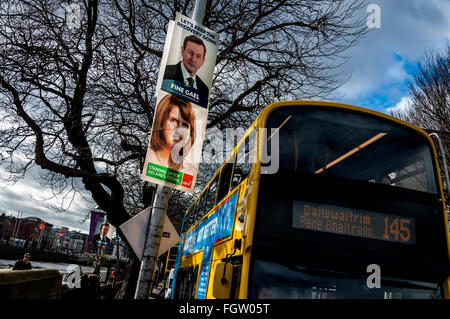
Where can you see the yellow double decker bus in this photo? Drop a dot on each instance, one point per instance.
(319, 200)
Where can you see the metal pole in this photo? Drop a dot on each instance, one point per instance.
(156, 222)
(41, 234)
(20, 222)
(20, 215)
(16, 222)
(152, 242)
(199, 11)
(117, 252)
(15, 225)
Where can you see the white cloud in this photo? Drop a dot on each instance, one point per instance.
(34, 200)
(379, 62)
(397, 72)
(401, 107)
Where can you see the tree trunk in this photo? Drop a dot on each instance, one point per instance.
(129, 285)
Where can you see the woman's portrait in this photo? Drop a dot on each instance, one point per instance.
(173, 134)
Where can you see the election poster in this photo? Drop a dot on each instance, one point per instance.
(188, 68)
(179, 124)
(175, 146)
(100, 231)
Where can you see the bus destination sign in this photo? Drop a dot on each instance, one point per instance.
(353, 222)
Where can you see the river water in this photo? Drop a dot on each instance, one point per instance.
(61, 267)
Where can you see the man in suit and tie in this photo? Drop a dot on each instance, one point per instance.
(101, 236)
(193, 53)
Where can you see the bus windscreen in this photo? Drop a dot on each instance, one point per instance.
(345, 144)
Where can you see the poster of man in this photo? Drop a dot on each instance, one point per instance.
(102, 235)
(189, 68)
(193, 54)
(100, 231)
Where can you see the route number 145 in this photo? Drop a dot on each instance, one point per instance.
(397, 229)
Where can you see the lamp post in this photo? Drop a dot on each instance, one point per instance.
(154, 230)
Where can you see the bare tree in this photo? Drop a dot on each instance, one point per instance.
(77, 99)
(429, 92)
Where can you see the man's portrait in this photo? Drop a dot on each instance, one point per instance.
(193, 53)
(102, 234)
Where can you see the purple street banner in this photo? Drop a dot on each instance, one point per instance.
(179, 124)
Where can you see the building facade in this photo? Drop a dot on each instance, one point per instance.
(32, 232)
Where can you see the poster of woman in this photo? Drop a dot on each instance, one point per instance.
(173, 134)
(174, 150)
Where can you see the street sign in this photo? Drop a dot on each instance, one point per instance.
(135, 231)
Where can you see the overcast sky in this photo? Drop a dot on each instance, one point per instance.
(35, 200)
(379, 66)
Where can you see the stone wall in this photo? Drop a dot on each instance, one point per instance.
(30, 284)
